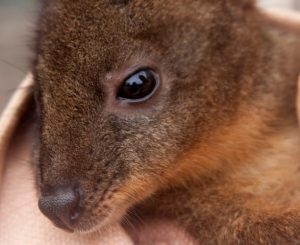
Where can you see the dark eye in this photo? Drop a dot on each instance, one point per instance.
(139, 87)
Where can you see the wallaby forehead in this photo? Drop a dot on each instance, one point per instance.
(89, 38)
(81, 27)
(115, 18)
(70, 30)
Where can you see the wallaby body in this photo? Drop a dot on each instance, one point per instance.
(216, 148)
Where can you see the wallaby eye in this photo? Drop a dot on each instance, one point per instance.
(139, 86)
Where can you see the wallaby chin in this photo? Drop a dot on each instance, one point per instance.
(183, 110)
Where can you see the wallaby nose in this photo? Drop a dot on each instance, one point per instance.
(62, 205)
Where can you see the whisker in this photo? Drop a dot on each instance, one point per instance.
(126, 222)
(134, 214)
(13, 66)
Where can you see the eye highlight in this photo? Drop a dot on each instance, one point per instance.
(139, 86)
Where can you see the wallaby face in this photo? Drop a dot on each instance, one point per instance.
(123, 89)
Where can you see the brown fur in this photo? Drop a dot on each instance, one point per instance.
(216, 149)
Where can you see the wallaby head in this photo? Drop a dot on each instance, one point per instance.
(124, 88)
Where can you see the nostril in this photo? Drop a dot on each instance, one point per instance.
(63, 206)
(76, 209)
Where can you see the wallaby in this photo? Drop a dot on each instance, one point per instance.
(178, 109)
